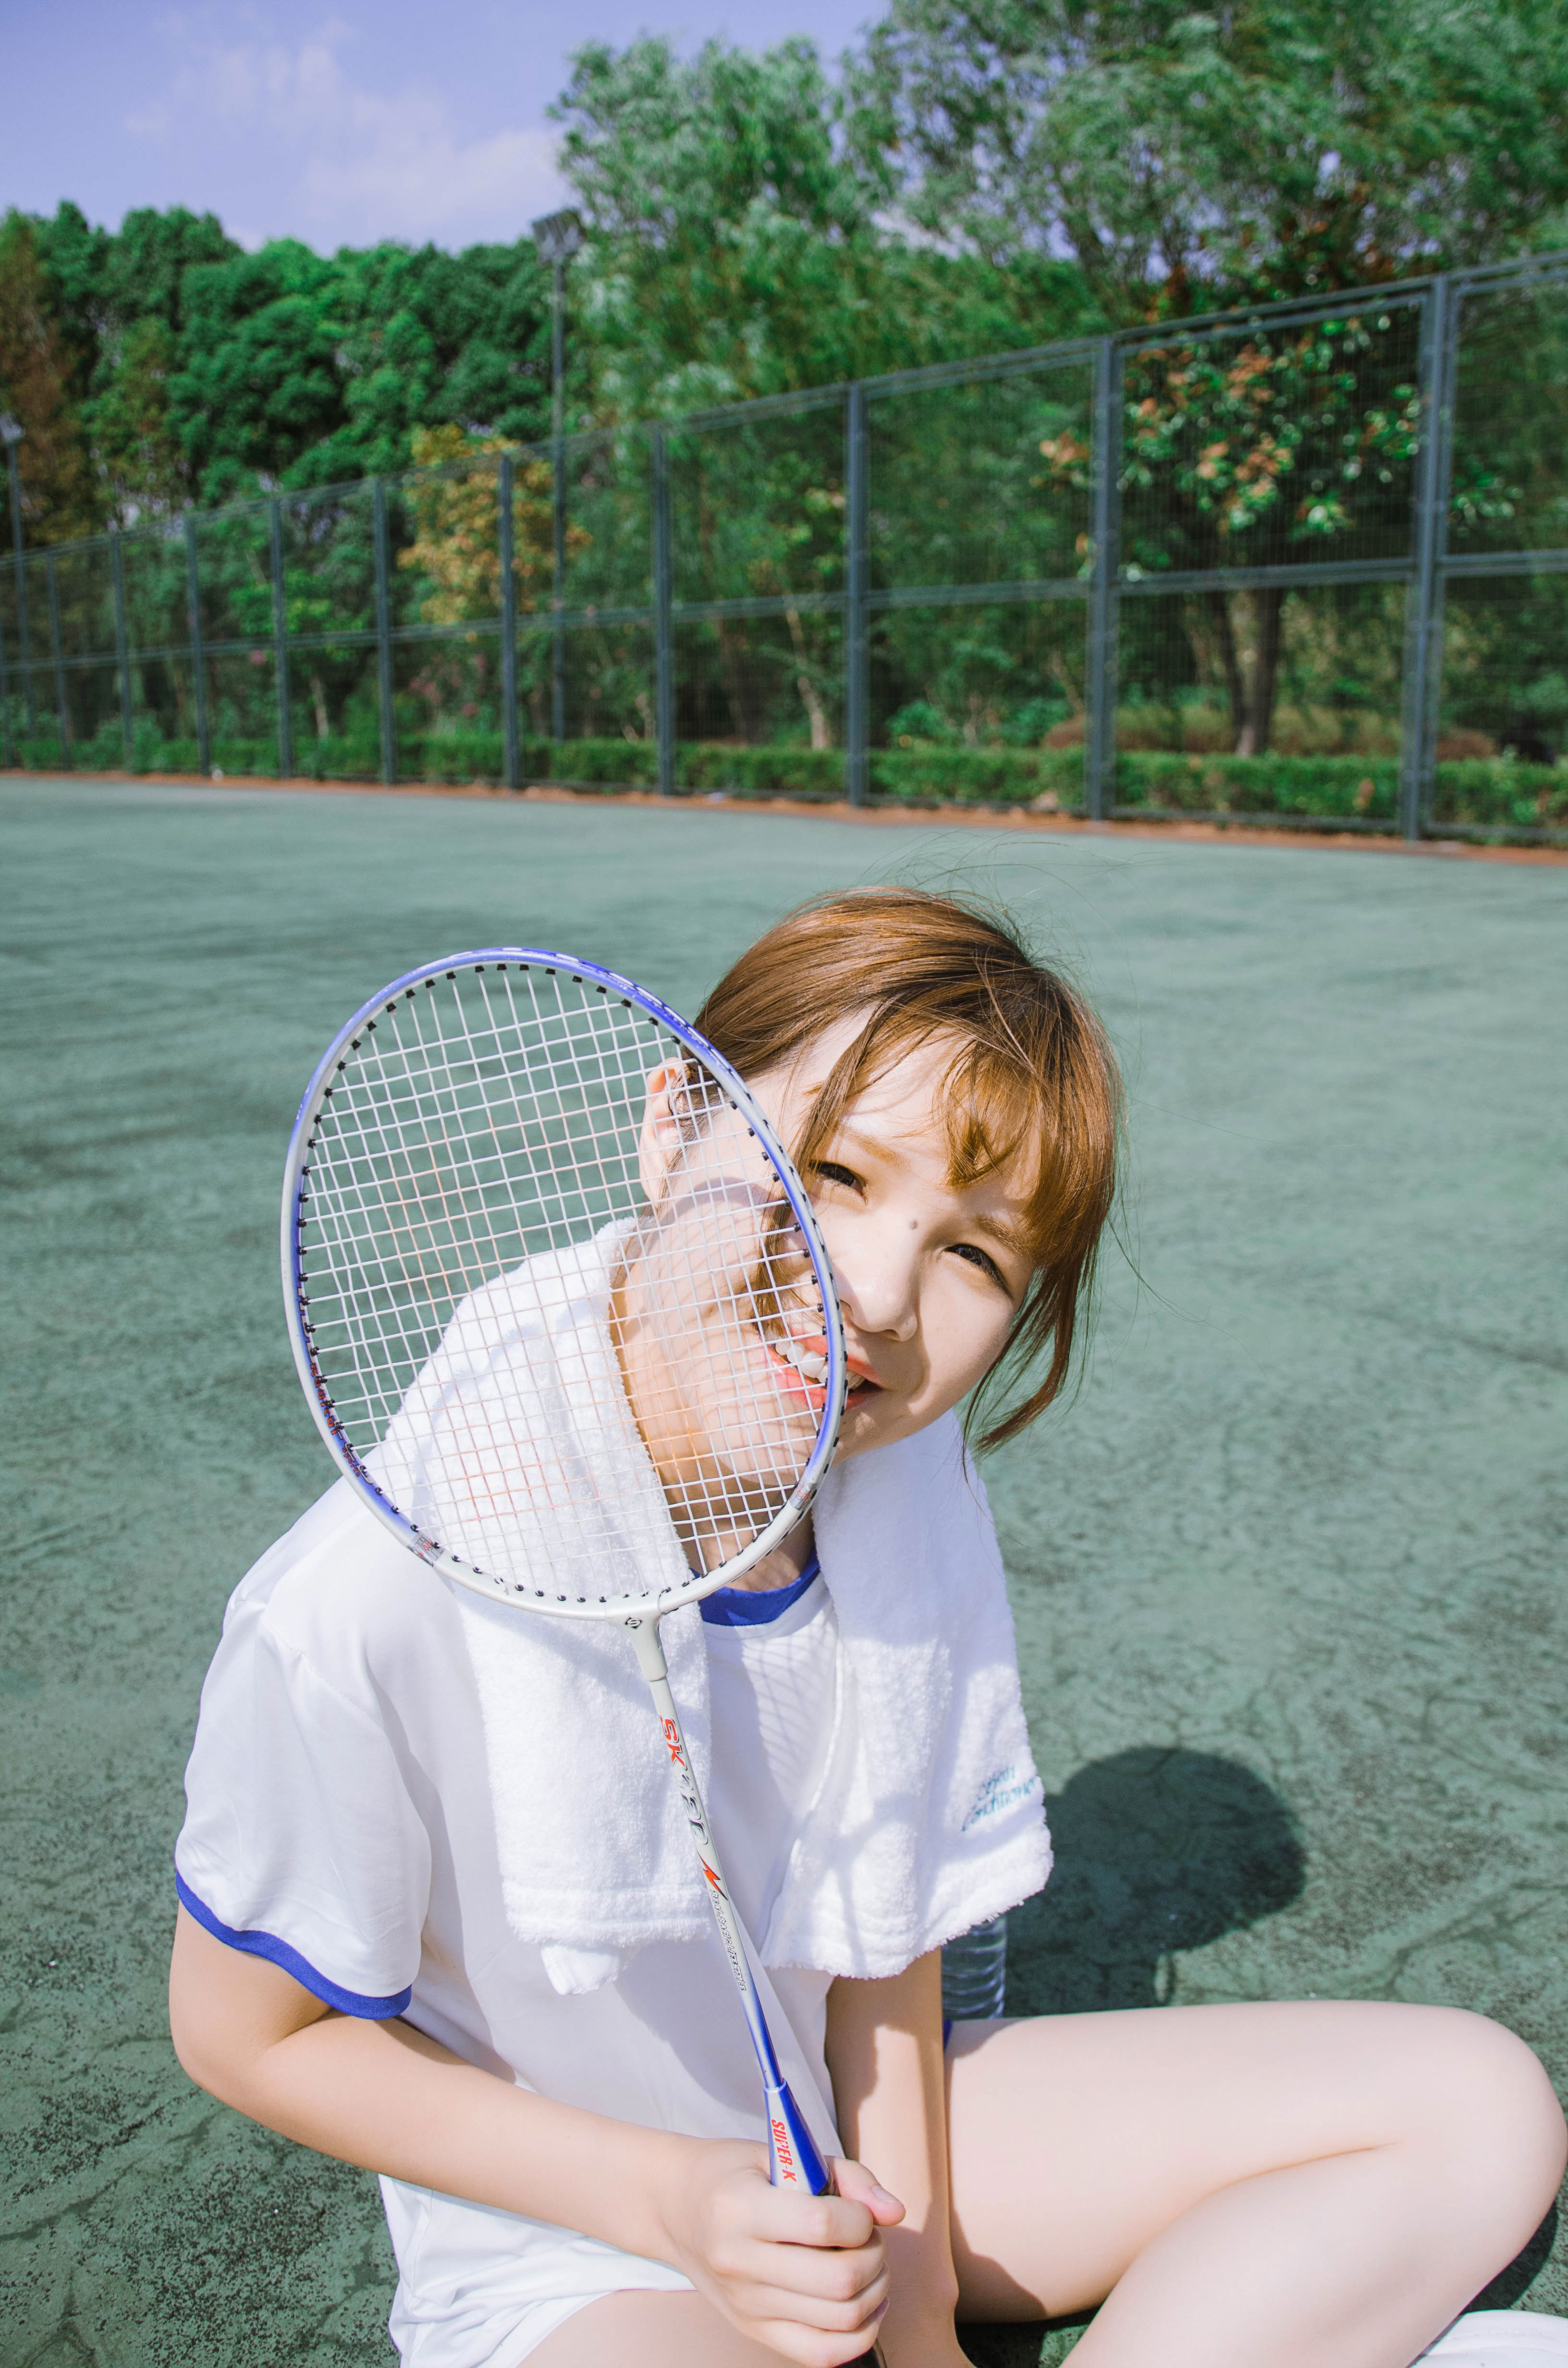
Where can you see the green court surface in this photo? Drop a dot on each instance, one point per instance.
(1288, 1573)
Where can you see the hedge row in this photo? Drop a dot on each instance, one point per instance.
(1479, 792)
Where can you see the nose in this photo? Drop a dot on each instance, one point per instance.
(878, 1291)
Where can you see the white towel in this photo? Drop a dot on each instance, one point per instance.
(930, 1816)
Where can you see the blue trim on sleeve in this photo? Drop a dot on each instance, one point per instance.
(278, 1952)
(754, 1607)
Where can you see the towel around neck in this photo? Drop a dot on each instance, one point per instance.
(929, 1817)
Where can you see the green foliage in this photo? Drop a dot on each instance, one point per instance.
(258, 385)
(119, 301)
(1522, 797)
(739, 240)
(983, 176)
(139, 452)
(1360, 792)
(42, 379)
(428, 340)
(1352, 789)
(1273, 148)
(162, 365)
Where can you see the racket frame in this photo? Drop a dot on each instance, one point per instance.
(794, 2159)
(318, 1395)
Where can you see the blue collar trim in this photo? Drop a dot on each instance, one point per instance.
(750, 1607)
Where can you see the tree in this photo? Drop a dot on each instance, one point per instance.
(1275, 147)
(259, 382)
(1188, 160)
(40, 374)
(1267, 444)
(456, 550)
(139, 456)
(432, 340)
(740, 245)
(119, 301)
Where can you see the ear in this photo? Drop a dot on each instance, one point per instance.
(659, 1139)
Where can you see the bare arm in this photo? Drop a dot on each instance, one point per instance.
(884, 2051)
(383, 2096)
(806, 2275)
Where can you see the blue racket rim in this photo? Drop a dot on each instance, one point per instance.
(314, 1382)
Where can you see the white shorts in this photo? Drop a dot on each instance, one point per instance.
(481, 2288)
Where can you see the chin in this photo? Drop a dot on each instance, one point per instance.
(876, 1425)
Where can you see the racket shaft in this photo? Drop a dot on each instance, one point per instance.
(794, 2159)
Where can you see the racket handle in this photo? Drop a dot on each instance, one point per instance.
(792, 2156)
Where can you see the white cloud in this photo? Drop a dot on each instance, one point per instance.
(355, 164)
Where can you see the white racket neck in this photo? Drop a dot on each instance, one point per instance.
(794, 2159)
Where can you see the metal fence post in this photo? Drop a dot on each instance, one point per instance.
(856, 639)
(6, 703)
(557, 238)
(664, 619)
(197, 655)
(383, 633)
(280, 640)
(558, 589)
(504, 494)
(60, 707)
(24, 637)
(1099, 746)
(122, 652)
(1422, 686)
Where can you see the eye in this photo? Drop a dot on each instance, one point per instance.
(982, 1258)
(828, 1171)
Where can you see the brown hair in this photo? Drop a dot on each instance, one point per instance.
(1031, 1065)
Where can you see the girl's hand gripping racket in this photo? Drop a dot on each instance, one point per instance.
(467, 1140)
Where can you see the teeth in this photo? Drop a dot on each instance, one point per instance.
(805, 1361)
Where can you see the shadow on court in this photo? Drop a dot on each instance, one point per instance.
(1159, 1851)
(1287, 1573)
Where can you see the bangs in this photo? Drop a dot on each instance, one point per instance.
(995, 1108)
(991, 1116)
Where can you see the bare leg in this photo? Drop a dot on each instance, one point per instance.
(1307, 2186)
(656, 2330)
(1310, 2186)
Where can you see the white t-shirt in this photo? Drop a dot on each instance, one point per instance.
(339, 1824)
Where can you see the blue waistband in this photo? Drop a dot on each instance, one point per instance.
(751, 1606)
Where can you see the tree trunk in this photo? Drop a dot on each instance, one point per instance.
(733, 652)
(1269, 604)
(1219, 607)
(810, 700)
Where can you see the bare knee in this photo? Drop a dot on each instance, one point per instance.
(1486, 2106)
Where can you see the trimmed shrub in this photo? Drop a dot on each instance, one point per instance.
(784, 771)
(1504, 793)
(1363, 789)
(978, 776)
(1497, 793)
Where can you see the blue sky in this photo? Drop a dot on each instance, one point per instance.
(337, 124)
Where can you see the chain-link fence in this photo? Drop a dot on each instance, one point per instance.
(1308, 562)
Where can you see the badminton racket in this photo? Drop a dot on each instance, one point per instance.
(479, 1143)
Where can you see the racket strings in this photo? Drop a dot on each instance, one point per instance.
(482, 1130)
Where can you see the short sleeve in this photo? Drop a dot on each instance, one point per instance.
(301, 1843)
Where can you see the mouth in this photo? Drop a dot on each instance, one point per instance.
(807, 1359)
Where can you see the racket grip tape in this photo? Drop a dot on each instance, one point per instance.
(792, 2156)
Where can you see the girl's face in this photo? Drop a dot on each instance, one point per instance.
(717, 1325)
(930, 1272)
